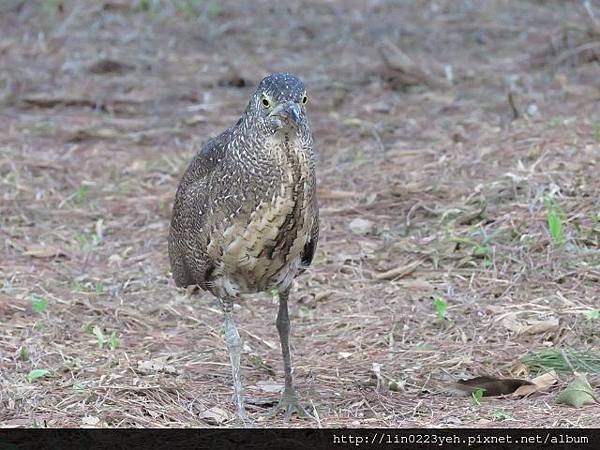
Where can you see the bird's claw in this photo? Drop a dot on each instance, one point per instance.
(243, 421)
(289, 404)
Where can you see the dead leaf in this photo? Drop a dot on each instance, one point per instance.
(541, 326)
(117, 6)
(529, 327)
(107, 66)
(376, 367)
(396, 385)
(215, 415)
(399, 272)
(492, 386)
(400, 70)
(511, 323)
(540, 384)
(325, 194)
(546, 380)
(266, 386)
(518, 369)
(155, 366)
(100, 133)
(44, 251)
(195, 119)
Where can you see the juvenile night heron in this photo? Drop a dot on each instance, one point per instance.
(245, 217)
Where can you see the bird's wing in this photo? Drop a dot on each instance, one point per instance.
(311, 246)
(190, 213)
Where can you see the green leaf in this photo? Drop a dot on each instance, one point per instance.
(563, 360)
(554, 215)
(39, 304)
(81, 194)
(592, 314)
(499, 415)
(113, 341)
(477, 395)
(99, 336)
(577, 393)
(23, 354)
(441, 306)
(36, 374)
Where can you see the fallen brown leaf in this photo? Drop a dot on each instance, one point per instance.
(156, 365)
(529, 327)
(542, 326)
(399, 272)
(540, 383)
(44, 251)
(215, 415)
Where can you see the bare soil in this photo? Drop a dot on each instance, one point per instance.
(447, 125)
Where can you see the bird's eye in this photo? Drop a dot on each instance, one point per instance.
(304, 100)
(266, 103)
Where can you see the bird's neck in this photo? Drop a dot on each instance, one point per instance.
(286, 148)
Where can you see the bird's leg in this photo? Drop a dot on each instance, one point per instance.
(289, 402)
(234, 346)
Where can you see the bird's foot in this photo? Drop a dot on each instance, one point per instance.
(289, 404)
(243, 421)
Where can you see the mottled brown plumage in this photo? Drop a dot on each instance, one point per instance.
(245, 217)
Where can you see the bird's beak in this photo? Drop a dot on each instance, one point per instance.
(289, 111)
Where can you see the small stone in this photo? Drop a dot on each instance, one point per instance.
(532, 109)
(90, 420)
(361, 226)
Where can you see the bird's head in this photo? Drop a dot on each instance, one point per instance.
(279, 103)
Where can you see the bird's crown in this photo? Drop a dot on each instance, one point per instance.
(282, 87)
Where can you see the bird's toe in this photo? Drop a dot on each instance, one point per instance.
(290, 405)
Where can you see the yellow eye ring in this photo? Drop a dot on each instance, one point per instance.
(266, 103)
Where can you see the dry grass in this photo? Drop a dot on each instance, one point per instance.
(102, 109)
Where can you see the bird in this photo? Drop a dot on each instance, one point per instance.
(246, 219)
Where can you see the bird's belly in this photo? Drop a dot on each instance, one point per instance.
(249, 258)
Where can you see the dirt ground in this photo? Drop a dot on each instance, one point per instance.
(450, 128)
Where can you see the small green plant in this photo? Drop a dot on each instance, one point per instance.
(592, 314)
(189, 8)
(100, 338)
(88, 328)
(215, 8)
(563, 361)
(88, 240)
(555, 122)
(596, 132)
(81, 194)
(500, 415)
(441, 307)
(24, 353)
(51, 7)
(477, 395)
(148, 6)
(99, 288)
(113, 341)
(36, 374)
(39, 304)
(554, 215)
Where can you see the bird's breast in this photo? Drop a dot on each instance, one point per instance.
(261, 249)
